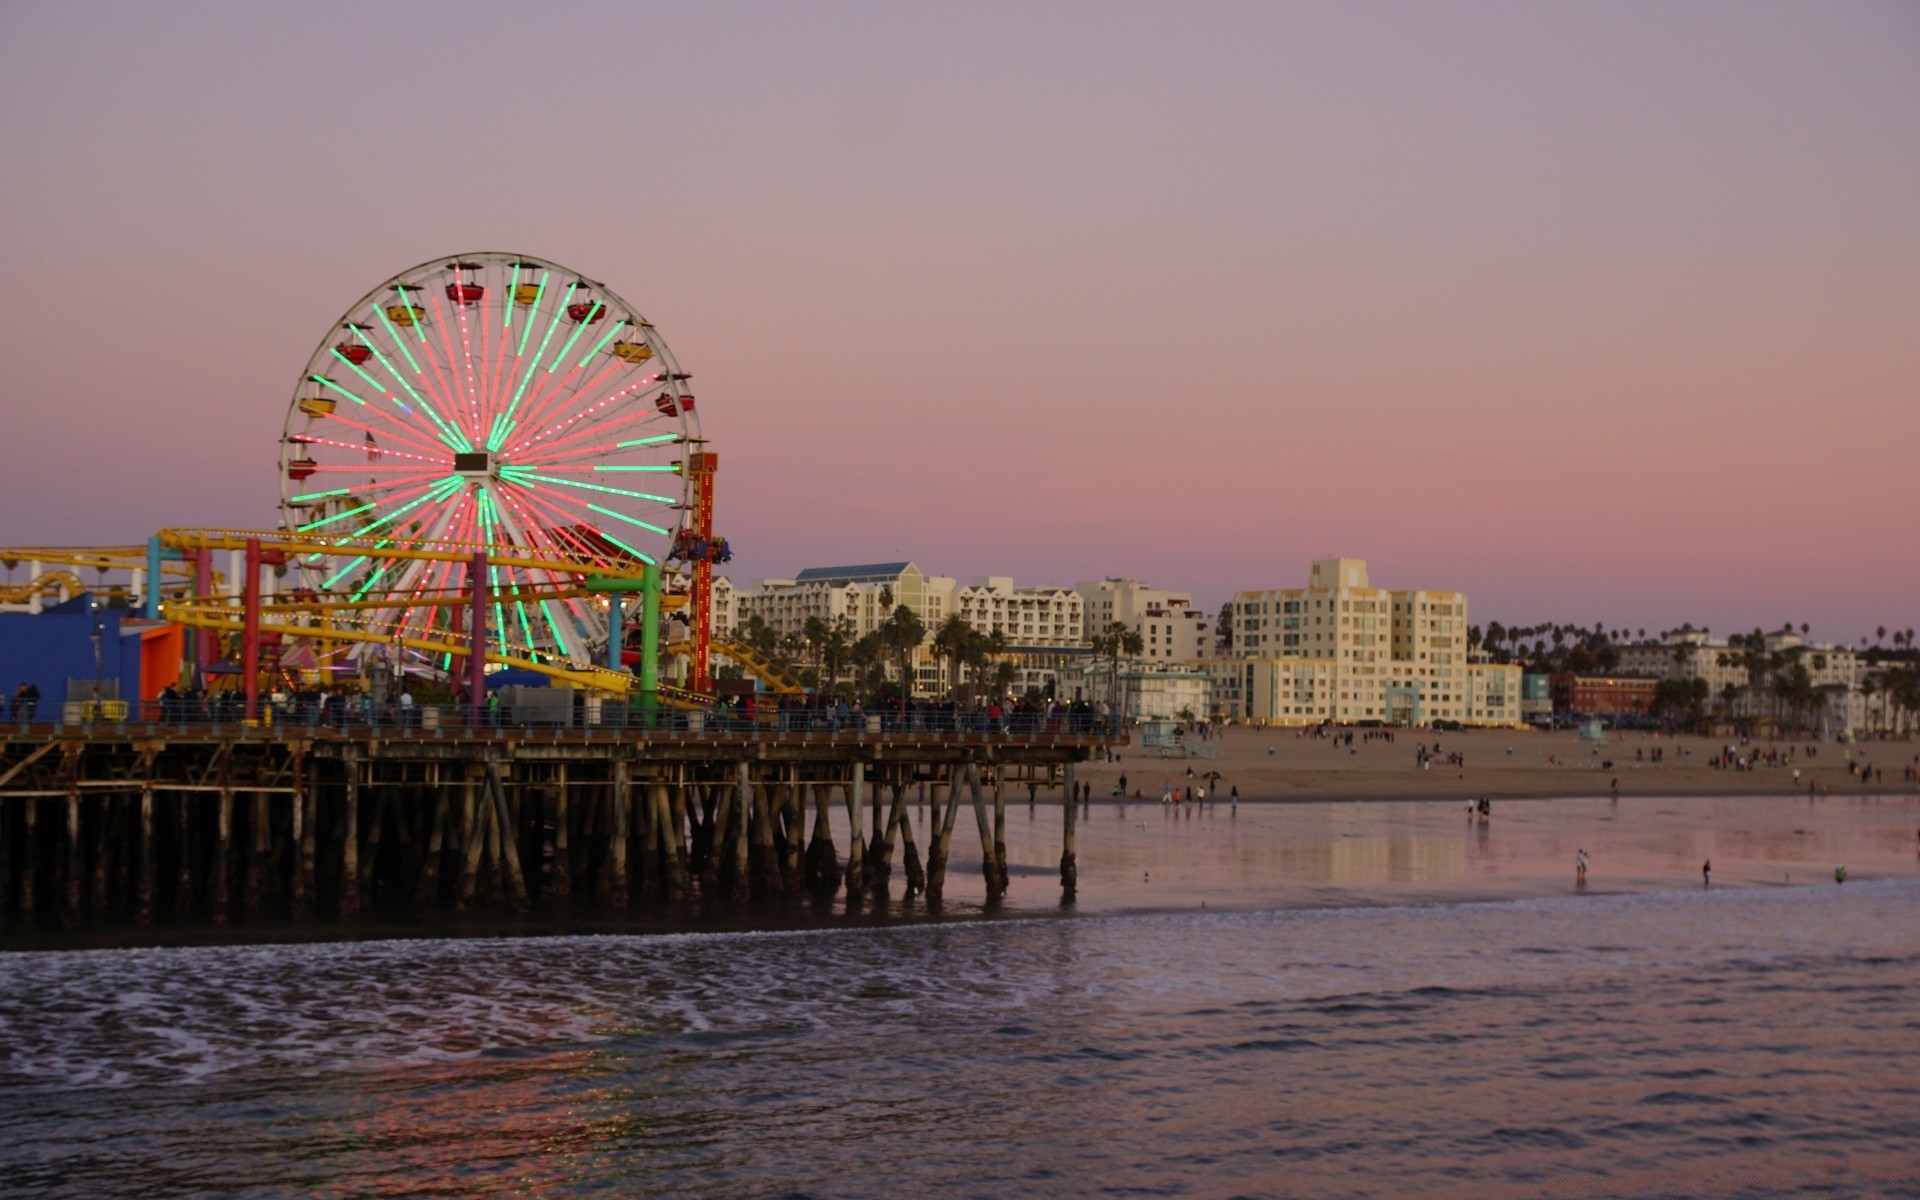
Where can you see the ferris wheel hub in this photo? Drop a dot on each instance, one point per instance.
(477, 464)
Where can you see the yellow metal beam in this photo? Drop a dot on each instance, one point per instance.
(295, 545)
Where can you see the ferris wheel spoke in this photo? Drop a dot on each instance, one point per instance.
(446, 391)
(561, 397)
(551, 501)
(559, 390)
(462, 396)
(405, 436)
(448, 432)
(496, 435)
(600, 448)
(537, 536)
(521, 537)
(546, 441)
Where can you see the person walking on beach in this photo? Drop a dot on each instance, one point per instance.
(1706, 873)
(1580, 868)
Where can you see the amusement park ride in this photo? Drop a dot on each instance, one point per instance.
(484, 455)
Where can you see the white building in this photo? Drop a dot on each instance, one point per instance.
(1145, 693)
(1342, 650)
(1171, 629)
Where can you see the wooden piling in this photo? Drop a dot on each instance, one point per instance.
(622, 805)
(219, 905)
(300, 837)
(509, 845)
(942, 841)
(29, 856)
(183, 873)
(473, 840)
(713, 869)
(428, 888)
(103, 853)
(560, 886)
(677, 833)
(673, 880)
(76, 856)
(989, 867)
(1069, 861)
(856, 841)
(259, 847)
(143, 904)
(823, 861)
(1000, 828)
(350, 839)
(742, 803)
(910, 853)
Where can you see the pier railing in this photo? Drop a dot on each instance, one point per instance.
(357, 718)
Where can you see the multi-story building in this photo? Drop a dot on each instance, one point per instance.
(1343, 650)
(1602, 695)
(865, 595)
(1686, 653)
(1043, 626)
(726, 607)
(1171, 629)
(1034, 616)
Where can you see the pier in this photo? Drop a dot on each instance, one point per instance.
(111, 826)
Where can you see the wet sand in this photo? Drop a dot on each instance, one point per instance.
(1350, 853)
(1278, 764)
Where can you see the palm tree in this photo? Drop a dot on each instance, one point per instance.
(902, 634)
(814, 633)
(834, 648)
(952, 642)
(1118, 640)
(867, 656)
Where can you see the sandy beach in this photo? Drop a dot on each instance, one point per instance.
(1281, 765)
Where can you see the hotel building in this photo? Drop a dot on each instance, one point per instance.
(1344, 651)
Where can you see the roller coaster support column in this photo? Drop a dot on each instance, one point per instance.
(250, 629)
(649, 644)
(477, 639)
(616, 618)
(203, 586)
(151, 600)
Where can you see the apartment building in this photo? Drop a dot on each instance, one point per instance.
(854, 592)
(1042, 625)
(1171, 628)
(1343, 650)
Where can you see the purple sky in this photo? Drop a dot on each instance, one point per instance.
(1600, 313)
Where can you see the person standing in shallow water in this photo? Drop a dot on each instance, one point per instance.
(1706, 873)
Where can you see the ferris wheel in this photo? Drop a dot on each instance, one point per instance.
(487, 399)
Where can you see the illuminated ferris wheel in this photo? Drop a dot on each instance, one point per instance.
(489, 399)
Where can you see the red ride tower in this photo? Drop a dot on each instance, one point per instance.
(703, 464)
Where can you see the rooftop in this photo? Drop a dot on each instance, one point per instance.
(861, 573)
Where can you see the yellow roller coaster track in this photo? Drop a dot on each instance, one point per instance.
(229, 619)
(47, 582)
(296, 545)
(758, 665)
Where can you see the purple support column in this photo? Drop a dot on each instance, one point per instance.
(203, 586)
(477, 638)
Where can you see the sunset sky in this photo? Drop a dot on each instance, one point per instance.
(1600, 313)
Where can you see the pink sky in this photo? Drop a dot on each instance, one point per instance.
(1599, 313)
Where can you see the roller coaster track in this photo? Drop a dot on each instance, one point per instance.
(758, 665)
(45, 583)
(222, 615)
